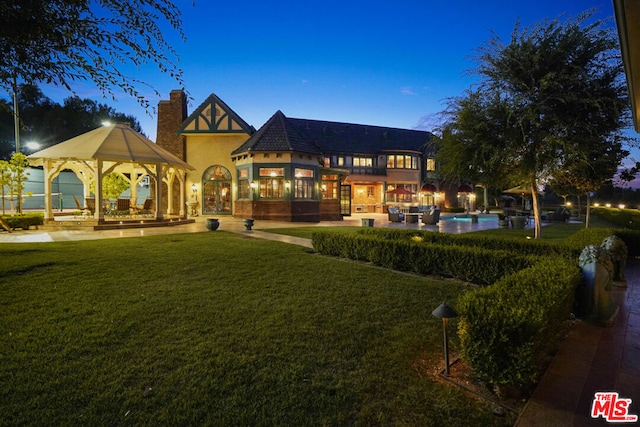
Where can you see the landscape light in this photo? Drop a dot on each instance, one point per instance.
(445, 312)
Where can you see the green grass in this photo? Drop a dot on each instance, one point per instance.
(219, 329)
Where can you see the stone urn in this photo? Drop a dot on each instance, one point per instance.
(248, 224)
(212, 224)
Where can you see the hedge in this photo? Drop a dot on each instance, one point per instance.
(23, 221)
(473, 264)
(594, 236)
(520, 246)
(627, 218)
(509, 330)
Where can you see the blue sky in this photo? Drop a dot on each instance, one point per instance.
(371, 62)
(374, 62)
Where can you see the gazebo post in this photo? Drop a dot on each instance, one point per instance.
(48, 211)
(99, 213)
(159, 213)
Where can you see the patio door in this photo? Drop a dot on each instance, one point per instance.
(216, 191)
(345, 200)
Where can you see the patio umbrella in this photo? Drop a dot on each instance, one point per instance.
(399, 190)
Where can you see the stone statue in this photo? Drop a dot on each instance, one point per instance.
(597, 270)
(617, 249)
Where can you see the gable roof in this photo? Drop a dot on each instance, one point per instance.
(278, 134)
(214, 116)
(337, 137)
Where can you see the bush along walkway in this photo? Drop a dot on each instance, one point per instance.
(595, 363)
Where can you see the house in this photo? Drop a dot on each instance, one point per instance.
(294, 169)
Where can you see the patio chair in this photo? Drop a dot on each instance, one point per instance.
(145, 209)
(395, 215)
(90, 203)
(123, 207)
(431, 216)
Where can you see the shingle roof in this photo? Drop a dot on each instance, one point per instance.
(354, 138)
(281, 133)
(277, 134)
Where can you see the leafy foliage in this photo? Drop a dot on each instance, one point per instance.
(61, 41)
(48, 123)
(551, 103)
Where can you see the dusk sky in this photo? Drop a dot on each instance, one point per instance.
(369, 62)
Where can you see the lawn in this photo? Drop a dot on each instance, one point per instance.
(220, 329)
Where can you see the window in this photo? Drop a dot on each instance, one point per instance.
(271, 183)
(244, 186)
(327, 162)
(363, 162)
(329, 186)
(402, 161)
(391, 162)
(340, 161)
(303, 185)
(431, 164)
(244, 189)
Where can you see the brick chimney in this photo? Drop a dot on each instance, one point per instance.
(171, 114)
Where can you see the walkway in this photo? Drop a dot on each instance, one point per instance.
(449, 224)
(592, 359)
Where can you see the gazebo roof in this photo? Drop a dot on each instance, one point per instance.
(116, 143)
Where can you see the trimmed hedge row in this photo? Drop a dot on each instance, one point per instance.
(520, 246)
(23, 221)
(473, 264)
(627, 218)
(594, 236)
(508, 330)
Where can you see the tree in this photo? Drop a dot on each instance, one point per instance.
(557, 89)
(113, 184)
(61, 41)
(473, 126)
(48, 123)
(5, 179)
(591, 169)
(18, 175)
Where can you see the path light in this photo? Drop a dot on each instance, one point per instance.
(445, 312)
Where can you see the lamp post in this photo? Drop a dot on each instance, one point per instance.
(445, 312)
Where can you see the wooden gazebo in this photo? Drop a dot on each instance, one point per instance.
(113, 148)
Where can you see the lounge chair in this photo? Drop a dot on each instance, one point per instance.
(395, 215)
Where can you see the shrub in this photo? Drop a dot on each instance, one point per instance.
(627, 218)
(23, 221)
(508, 330)
(399, 250)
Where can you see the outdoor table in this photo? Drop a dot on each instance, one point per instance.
(412, 218)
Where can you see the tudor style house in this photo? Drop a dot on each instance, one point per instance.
(294, 169)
